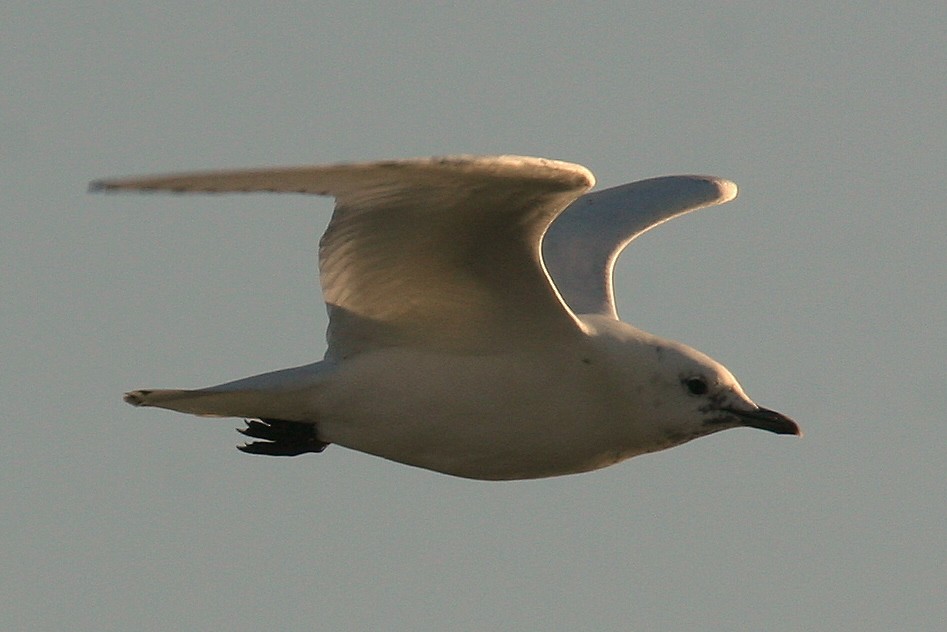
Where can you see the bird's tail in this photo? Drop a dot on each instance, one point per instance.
(285, 394)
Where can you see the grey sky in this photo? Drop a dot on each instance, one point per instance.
(823, 287)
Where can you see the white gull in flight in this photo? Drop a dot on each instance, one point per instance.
(472, 323)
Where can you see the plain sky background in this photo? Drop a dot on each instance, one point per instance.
(823, 287)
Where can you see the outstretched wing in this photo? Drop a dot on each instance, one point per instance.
(582, 244)
(438, 253)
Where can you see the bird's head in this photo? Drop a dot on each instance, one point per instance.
(679, 392)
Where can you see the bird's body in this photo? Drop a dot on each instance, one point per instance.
(481, 417)
(522, 414)
(449, 346)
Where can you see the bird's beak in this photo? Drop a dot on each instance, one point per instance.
(766, 419)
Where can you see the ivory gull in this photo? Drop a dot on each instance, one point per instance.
(472, 323)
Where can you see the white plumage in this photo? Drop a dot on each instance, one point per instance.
(472, 323)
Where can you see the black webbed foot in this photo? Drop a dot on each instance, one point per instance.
(280, 437)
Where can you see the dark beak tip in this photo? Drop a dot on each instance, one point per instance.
(769, 420)
(781, 424)
(793, 429)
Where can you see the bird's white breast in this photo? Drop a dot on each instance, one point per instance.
(513, 415)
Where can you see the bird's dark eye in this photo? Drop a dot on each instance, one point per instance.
(695, 385)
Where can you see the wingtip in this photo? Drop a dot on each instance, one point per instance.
(97, 186)
(727, 190)
(135, 398)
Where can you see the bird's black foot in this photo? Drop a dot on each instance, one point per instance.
(280, 437)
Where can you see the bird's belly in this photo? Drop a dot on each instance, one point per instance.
(487, 417)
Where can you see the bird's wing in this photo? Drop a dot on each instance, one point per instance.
(582, 244)
(440, 253)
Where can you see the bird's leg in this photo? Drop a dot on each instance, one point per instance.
(280, 437)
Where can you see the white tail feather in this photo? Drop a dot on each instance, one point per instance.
(285, 394)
